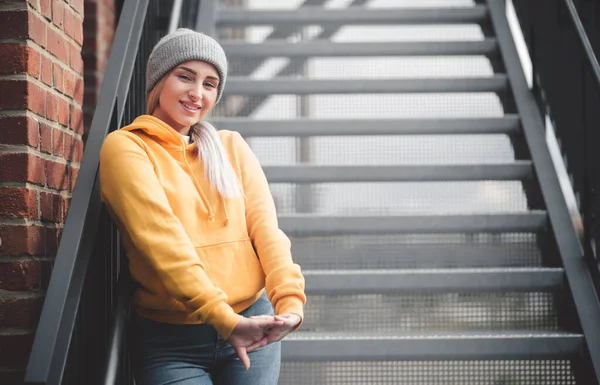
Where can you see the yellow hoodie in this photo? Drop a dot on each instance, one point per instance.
(198, 258)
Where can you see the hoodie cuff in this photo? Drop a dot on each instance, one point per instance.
(224, 320)
(291, 304)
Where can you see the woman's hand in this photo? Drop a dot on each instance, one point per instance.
(276, 332)
(250, 331)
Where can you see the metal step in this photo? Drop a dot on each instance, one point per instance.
(351, 16)
(312, 225)
(450, 372)
(342, 282)
(235, 49)
(438, 311)
(284, 86)
(315, 347)
(330, 253)
(519, 170)
(508, 124)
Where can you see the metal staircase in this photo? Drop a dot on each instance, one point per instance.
(408, 161)
(418, 270)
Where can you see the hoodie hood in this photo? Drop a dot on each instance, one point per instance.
(157, 129)
(169, 138)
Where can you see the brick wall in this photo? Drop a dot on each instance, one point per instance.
(41, 127)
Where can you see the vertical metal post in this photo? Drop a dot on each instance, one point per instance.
(206, 17)
(175, 15)
(304, 192)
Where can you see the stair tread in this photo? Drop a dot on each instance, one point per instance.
(284, 86)
(383, 281)
(441, 335)
(314, 173)
(326, 127)
(326, 48)
(418, 271)
(352, 15)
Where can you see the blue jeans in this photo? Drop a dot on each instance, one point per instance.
(167, 354)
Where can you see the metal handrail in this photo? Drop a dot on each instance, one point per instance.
(50, 350)
(590, 56)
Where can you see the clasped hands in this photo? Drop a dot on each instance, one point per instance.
(257, 331)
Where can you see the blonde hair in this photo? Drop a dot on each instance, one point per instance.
(209, 149)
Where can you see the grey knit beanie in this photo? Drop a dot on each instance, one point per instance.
(180, 46)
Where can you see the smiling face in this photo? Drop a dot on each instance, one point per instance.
(185, 95)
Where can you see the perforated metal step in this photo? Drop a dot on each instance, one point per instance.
(414, 251)
(233, 49)
(433, 280)
(387, 372)
(435, 346)
(519, 170)
(282, 86)
(349, 16)
(507, 124)
(312, 225)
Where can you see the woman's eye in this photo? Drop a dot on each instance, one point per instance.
(208, 84)
(185, 77)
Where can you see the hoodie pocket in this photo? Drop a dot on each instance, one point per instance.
(234, 268)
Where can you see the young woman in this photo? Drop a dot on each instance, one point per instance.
(199, 226)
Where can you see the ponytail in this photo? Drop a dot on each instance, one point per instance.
(217, 168)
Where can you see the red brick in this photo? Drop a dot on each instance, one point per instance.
(58, 208)
(79, 91)
(46, 70)
(20, 348)
(18, 203)
(19, 130)
(13, 24)
(58, 13)
(58, 77)
(57, 175)
(53, 207)
(70, 82)
(16, 97)
(52, 241)
(46, 206)
(13, 58)
(21, 275)
(63, 112)
(45, 138)
(22, 168)
(22, 94)
(37, 99)
(77, 5)
(74, 174)
(46, 8)
(58, 144)
(23, 240)
(20, 312)
(33, 62)
(76, 118)
(77, 30)
(51, 107)
(58, 45)
(73, 148)
(38, 29)
(75, 60)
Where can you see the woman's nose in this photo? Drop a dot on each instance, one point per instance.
(195, 95)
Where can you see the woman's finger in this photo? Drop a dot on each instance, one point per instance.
(243, 355)
(258, 344)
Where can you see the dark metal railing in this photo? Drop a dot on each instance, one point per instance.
(567, 89)
(80, 336)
